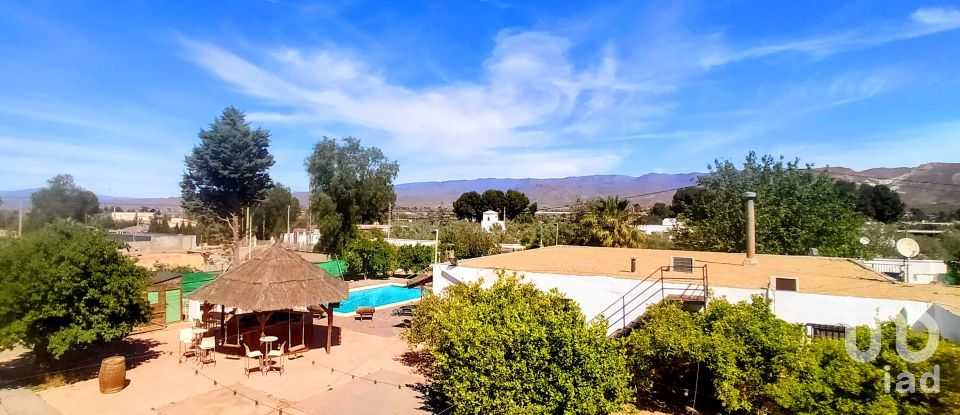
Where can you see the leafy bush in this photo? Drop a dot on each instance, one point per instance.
(751, 361)
(66, 287)
(467, 239)
(513, 349)
(743, 348)
(369, 255)
(414, 258)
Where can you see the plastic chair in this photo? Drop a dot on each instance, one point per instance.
(276, 353)
(207, 346)
(251, 355)
(186, 343)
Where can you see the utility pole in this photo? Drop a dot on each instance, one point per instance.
(288, 218)
(20, 220)
(390, 221)
(436, 245)
(556, 240)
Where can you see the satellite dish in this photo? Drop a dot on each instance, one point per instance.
(908, 247)
(864, 240)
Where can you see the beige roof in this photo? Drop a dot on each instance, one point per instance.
(275, 279)
(820, 275)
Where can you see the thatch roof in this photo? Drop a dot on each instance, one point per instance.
(276, 279)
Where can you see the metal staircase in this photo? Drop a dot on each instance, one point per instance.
(663, 284)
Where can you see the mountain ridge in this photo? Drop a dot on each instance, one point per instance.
(923, 185)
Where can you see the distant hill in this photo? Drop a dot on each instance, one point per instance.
(922, 186)
(925, 185)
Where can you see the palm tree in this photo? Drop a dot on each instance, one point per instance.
(608, 222)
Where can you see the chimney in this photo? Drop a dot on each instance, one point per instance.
(633, 264)
(748, 199)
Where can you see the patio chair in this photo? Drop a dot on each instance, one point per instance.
(207, 355)
(256, 354)
(186, 343)
(276, 353)
(406, 310)
(365, 312)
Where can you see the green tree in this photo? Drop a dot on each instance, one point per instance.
(741, 349)
(917, 214)
(796, 210)
(349, 184)
(227, 172)
(517, 203)
(607, 222)
(159, 224)
(414, 258)
(468, 206)
(684, 201)
(495, 200)
(513, 349)
(270, 216)
(369, 255)
(828, 381)
(467, 240)
(61, 199)
(66, 287)
(880, 203)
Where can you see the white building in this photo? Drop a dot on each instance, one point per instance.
(803, 289)
(914, 271)
(667, 225)
(489, 219)
(135, 217)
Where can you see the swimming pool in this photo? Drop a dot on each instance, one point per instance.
(377, 297)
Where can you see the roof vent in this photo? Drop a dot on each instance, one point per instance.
(681, 264)
(785, 283)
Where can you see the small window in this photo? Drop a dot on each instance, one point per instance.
(153, 297)
(786, 284)
(682, 264)
(826, 331)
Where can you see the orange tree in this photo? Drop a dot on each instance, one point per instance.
(66, 287)
(513, 349)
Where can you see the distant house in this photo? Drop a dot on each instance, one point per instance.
(667, 225)
(135, 217)
(618, 284)
(489, 219)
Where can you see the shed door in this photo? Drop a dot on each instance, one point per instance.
(172, 298)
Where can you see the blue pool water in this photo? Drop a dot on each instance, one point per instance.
(376, 297)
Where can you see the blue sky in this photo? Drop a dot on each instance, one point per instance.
(115, 92)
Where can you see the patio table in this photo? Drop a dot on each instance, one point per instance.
(268, 340)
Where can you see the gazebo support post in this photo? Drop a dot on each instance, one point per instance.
(223, 333)
(329, 310)
(262, 318)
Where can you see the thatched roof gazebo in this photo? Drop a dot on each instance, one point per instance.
(274, 280)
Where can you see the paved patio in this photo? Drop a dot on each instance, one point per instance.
(316, 383)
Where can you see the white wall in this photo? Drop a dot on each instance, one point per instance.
(410, 242)
(595, 293)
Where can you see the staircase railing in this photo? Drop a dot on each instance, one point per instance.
(621, 311)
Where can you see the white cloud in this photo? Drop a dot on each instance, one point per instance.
(922, 22)
(529, 90)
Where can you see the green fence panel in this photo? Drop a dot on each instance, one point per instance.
(336, 267)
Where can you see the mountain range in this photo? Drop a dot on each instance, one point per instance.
(922, 186)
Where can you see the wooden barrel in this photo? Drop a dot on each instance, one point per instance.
(113, 374)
